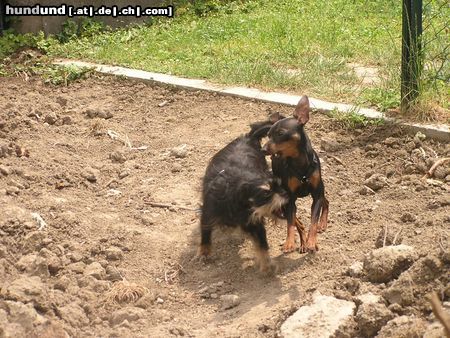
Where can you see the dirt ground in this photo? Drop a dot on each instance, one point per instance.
(91, 158)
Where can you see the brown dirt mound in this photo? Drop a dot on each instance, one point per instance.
(85, 164)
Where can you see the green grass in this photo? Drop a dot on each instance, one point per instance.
(302, 46)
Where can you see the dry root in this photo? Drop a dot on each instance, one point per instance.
(125, 292)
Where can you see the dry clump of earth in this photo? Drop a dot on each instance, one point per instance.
(99, 198)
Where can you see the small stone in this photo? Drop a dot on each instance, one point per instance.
(356, 269)
(95, 112)
(179, 151)
(146, 301)
(91, 174)
(390, 141)
(66, 120)
(62, 283)
(77, 267)
(51, 118)
(118, 157)
(214, 295)
(176, 167)
(372, 317)
(403, 326)
(74, 315)
(95, 270)
(384, 264)
(114, 253)
(4, 170)
(12, 191)
(229, 301)
(376, 182)
(407, 217)
(159, 300)
(124, 174)
(61, 100)
(112, 274)
(129, 313)
(329, 145)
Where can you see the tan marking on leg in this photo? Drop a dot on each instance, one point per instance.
(204, 250)
(301, 231)
(289, 244)
(323, 223)
(311, 242)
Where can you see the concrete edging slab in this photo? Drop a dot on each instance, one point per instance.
(436, 131)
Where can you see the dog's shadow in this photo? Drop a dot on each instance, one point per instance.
(231, 270)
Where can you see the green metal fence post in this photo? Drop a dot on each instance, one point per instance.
(411, 52)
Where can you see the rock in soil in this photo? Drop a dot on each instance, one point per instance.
(376, 182)
(356, 269)
(179, 151)
(403, 327)
(74, 315)
(95, 270)
(118, 157)
(324, 318)
(95, 112)
(114, 253)
(371, 317)
(384, 264)
(129, 313)
(25, 289)
(413, 284)
(229, 301)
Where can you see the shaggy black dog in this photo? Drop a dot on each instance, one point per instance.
(238, 191)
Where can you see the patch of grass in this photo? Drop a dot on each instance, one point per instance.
(301, 46)
(29, 62)
(352, 120)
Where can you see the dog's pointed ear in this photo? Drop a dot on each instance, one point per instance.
(301, 112)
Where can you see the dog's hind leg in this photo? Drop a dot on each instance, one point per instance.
(257, 233)
(206, 228)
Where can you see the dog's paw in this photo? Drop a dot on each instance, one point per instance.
(288, 247)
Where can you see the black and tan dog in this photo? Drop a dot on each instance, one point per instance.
(238, 191)
(295, 162)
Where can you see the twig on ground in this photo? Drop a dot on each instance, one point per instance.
(337, 159)
(385, 235)
(431, 151)
(169, 206)
(430, 172)
(440, 314)
(396, 235)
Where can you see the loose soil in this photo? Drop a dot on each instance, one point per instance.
(90, 159)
